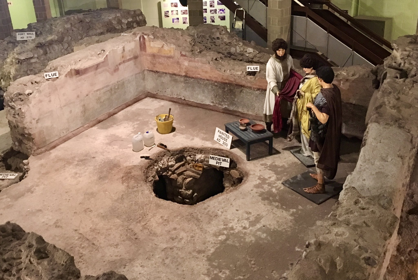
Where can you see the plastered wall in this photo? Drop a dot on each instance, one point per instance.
(98, 82)
(404, 13)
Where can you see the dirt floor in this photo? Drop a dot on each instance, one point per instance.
(89, 197)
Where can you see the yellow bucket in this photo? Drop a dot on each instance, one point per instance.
(164, 127)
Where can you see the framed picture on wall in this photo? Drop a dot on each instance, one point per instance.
(221, 18)
(175, 20)
(166, 14)
(205, 11)
(204, 20)
(220, 3)
(212, 4)
(221, 11)
(174, 12)
(185, 21)
(174, 4)
(184, 12)
(212, 19)
(205, 3)
(213, 11)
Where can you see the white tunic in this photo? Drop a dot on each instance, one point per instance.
(274, 76)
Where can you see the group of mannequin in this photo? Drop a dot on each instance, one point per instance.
(316, 115)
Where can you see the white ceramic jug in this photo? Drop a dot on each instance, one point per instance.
(149, 138)
(137, 142)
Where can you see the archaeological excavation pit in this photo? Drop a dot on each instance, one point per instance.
(189, 176)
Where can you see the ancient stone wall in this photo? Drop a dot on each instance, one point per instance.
(57, 37)
(356, 86)
(355, 242)
(91, 82)
(403, 263)
(204, 64)
(26, 255)
(359, 237)
(90, 85)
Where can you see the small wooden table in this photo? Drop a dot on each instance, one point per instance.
(249, 137)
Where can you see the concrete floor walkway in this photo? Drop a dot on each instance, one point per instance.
(89, 197)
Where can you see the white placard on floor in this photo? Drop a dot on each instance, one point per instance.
(219, 161)
(223, 138)
(8, 176)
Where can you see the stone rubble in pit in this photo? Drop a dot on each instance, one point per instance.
(186, 177)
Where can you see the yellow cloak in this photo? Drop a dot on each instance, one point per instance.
(311, 89)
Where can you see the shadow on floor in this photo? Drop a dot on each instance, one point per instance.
(350, 145)
(257, 151)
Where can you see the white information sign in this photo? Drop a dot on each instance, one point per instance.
(253, 68)
(30, 35)
(51, 75)
(8, 176)
(25, 36)
(21, 36)
(223, 138)
(219, 161)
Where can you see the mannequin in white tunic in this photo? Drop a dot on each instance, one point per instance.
(277, 73)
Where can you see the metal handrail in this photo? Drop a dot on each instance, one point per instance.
(352, 21)
(250, 21)
(265, 2)
(353, 44)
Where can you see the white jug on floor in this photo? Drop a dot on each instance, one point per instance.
(149, 138)
(137, 142)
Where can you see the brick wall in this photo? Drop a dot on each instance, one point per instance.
(278, 20)
(6, 27)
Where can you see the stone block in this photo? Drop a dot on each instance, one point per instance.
(30, 257)
(273, 5)
(350, 243)
(385, 162)
(192, 174)
(355, 84)
(354, 120)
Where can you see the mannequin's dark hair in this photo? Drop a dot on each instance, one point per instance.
(326, 74)
(308, 61)
(279, 43)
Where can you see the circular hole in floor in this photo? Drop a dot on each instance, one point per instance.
(188, 176)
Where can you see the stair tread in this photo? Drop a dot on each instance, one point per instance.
(353, 33)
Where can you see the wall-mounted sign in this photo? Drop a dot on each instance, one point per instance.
(20, 36)
(51, 75)
(223, 138)
(8, 176)
(253, 68)
(219, 161)
(30, 35)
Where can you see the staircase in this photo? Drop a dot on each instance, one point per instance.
(322, 28)
(250, 20)
(341, 37)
